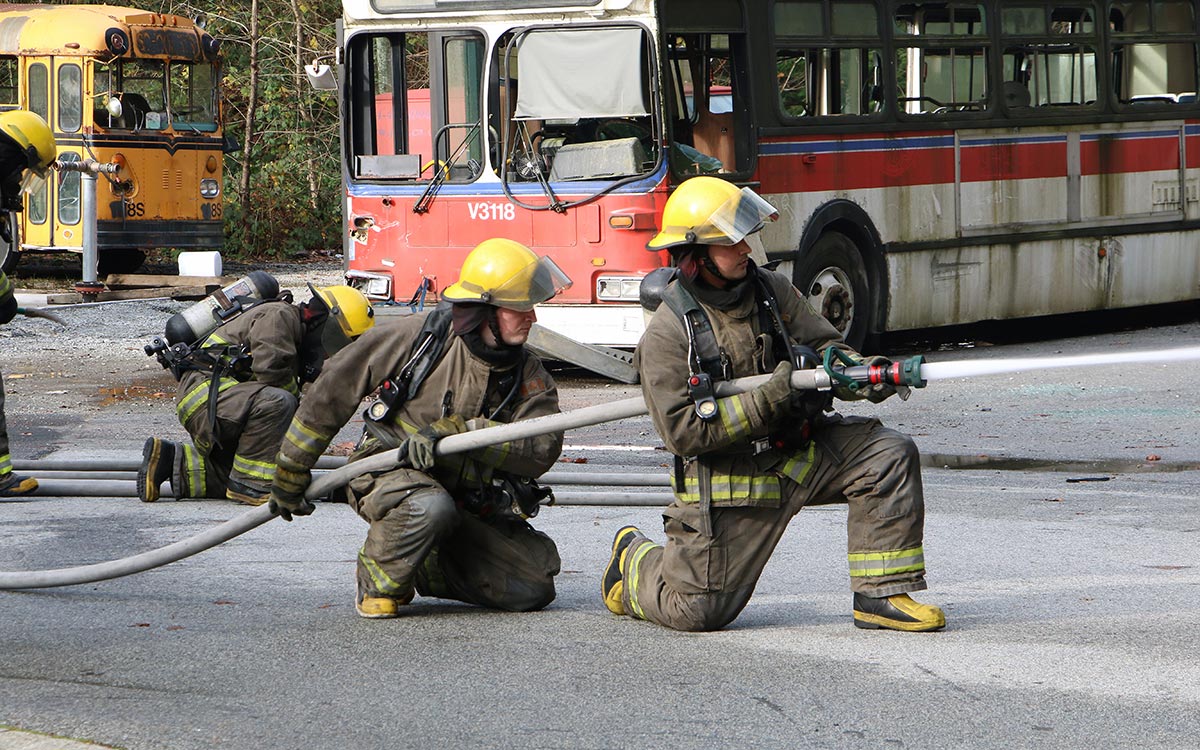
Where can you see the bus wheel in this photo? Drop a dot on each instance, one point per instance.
(10, 257)
(833, 278)
(120, 260)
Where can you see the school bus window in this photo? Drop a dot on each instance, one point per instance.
(9, 91)
(70, 98)
(68, 192)
(192, 96)
(38, 200)
(39, 90)
(143, 85)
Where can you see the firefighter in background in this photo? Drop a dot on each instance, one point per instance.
(446, 526)
(746, 464)
(27, 149)
(237, 401)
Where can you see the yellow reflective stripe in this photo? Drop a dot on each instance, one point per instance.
(797, 465)
(383, 582)
(251, 468)
(6, 464)
(214, 339)
(198, 397)
(733, 417)
(728, 487)
(197, 478)
(305, 438)
(633, 575)
(886, 563)
(5, 285)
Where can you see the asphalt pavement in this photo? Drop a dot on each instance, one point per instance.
(1061, 535)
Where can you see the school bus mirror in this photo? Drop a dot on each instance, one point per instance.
(230, 145)
(321, 77)
(113, 105)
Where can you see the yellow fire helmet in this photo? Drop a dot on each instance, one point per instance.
(351, 310)
(505, 273)
(34, 137)
(711, 211)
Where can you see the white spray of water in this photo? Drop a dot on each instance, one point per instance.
(975, 368)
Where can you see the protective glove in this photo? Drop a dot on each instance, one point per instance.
(421, 444)
(774, 397)
(8, 309)
(287, 493)
(880, 391)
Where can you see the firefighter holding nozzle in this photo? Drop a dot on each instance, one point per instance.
(450, 526)
(746, 464)
(27, 149)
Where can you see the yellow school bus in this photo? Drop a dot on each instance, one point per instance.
(118, 85)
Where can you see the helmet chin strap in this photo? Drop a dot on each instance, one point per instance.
(709, 265)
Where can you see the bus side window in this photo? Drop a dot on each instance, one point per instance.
(9, 91)
(39, 90)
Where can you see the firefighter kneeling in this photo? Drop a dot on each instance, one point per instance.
(238, 389)
(449, 526)
(746, 464)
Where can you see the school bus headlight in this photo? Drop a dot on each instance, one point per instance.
(209, 188)
(618, 288)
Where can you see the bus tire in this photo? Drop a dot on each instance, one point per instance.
(833, 278)
(11, 257)
(119, 260)
(10, 253)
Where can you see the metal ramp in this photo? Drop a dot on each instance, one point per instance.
(602, 360)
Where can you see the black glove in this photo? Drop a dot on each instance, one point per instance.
(421, 445)
(880, 391)
(8, 308)
(287, 493)
(774, 397)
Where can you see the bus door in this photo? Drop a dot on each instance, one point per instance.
(707, 74)
(66, 107)
(37, 221)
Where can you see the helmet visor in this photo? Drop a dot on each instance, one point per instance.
(532, 285)
(740, 216)
(33, 179)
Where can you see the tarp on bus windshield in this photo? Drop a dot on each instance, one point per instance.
(567, 74)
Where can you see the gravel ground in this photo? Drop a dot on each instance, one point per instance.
(98, 356)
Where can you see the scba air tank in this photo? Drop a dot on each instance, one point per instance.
(204, 317)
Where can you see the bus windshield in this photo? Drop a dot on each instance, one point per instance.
(156, 94)
(553, 114)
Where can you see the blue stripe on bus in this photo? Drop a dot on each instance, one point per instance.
(564, 190)
(1011, 140)
(864, 144)
(1131, 134)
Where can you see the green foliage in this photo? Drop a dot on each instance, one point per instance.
(293, 205)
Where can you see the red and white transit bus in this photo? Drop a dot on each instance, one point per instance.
(934, 163)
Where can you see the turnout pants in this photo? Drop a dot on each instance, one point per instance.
(251, 421)
(419, 539)
(696, 582)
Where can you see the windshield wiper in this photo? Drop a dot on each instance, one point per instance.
(441, 173)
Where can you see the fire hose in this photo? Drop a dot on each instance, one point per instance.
(912, 372)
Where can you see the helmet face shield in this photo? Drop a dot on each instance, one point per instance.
(740, 216)
(531, 285)
(33, 180)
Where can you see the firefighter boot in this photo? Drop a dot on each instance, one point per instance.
(375, 607)
(158, 461)
(244, 493)
(612, 586)
(14, 485)
(897, 612)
